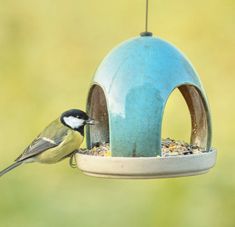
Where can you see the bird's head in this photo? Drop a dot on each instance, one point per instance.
(76, 119)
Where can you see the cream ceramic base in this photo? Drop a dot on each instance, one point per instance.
(146, 167)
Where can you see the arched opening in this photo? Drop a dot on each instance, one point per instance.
(176, 120)
(97, 109)
(200, 121)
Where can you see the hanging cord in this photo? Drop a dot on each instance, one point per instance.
(146, 16)
(146, 33)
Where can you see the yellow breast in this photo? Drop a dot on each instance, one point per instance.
(71, 142)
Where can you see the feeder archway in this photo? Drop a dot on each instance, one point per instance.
(199, 113)
(136, 79)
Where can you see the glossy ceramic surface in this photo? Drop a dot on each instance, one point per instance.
(135, 80)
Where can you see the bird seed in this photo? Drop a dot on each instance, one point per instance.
(170, 147)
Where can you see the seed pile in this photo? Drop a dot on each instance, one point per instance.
(100, 149)
(169, 147)
(172, 147)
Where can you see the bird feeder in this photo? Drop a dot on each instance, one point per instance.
(128, 96)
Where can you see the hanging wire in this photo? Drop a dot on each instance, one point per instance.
(146, 16)
(146, 33)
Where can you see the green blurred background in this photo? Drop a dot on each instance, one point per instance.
(49, 51)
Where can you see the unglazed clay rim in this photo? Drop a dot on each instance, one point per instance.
(146, 167)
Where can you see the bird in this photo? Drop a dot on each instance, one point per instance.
(60, 139)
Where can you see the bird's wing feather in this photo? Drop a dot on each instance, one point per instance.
(51, 137)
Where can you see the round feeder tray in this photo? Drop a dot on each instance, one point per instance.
(146, 167)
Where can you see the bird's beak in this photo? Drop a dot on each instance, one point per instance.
(90, 121)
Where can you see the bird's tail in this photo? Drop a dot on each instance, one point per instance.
(9, 168)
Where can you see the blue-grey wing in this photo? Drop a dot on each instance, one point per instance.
(49, 138)
(37, 146)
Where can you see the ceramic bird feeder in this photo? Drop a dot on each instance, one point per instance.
(128, 96)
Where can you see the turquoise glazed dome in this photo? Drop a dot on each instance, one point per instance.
(133, 84)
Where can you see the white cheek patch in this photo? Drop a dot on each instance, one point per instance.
(73, 122)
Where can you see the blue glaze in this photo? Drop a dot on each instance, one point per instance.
(137, 78)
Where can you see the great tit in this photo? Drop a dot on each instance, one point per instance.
(57, 141)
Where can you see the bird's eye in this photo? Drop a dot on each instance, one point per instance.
(78, 117)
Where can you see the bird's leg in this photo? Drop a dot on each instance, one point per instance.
(72, 160)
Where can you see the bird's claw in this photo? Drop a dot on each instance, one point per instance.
(72, 161)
